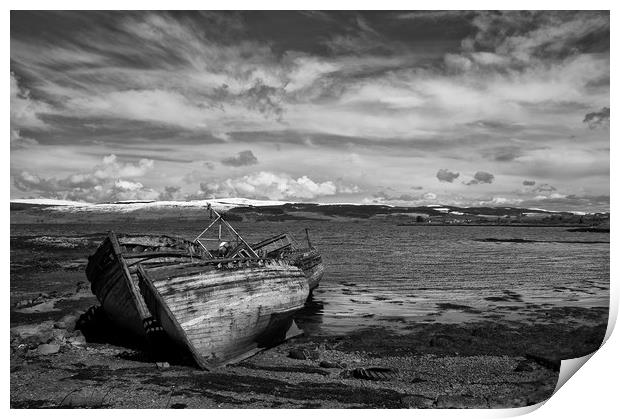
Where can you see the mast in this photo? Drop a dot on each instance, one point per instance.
(221, 222)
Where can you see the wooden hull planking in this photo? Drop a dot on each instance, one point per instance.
(221, 314)
(308, 259)
(111, 270)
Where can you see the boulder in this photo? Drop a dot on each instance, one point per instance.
(67, 322)
(76, 339)
(33, 334)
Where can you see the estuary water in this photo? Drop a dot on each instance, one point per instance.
(379, 273)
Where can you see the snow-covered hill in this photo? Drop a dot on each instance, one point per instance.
(130, 206)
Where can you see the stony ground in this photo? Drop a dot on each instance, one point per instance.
(498, 363)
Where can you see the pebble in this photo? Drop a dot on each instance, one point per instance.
(524, 366)
(48, 349)
(328, 364)
(78, 340)
(460, 402)
(303, 354)
(417, 402)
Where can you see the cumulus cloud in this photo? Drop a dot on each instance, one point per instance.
(597, 119)
(444, 175)
(103, 183)
(243, 158)
(529, 182)
(481, 177)
(382, 196)
(170, 193)
(269, 185)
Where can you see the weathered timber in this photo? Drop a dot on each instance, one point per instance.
(114, 282)
(224, 315)
(307, 258)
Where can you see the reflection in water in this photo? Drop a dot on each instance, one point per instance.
(310, 318)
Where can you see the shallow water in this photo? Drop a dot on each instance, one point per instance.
(393, 276)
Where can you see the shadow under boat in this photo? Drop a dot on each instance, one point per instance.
(159, 289)
(97, 327)
(310, 318)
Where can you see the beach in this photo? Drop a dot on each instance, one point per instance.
(366, 344)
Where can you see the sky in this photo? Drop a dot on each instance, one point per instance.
(467, 108)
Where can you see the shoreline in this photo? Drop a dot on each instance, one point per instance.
(490, 363)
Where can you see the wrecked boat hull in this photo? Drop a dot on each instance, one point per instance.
(308, 259)
(224, 312)
(111, 271)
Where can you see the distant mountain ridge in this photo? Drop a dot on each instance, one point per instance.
(287, 210)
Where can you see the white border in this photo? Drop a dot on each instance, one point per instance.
(592, 393)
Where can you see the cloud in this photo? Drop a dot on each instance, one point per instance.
(396, 89)
(382, 196)
(103, 183)
(529, 35)
(597, 119)
(19, 142)
(269, 185)
(544, 187)
(25, 111)
(529, 182)
(481, 177)
(504, 153)
(444, 175)
(170, 193)
(558, 202)
(243, 158)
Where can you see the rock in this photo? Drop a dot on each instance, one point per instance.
(417, 402)
(374, 373)
(328, 364)
(547, 362)
(67, 322)
(524, 366)
(440, 341)
(460, 402)
(33, 334)
(59, 335)
(82, 287)
(85, 398)
(303, 354)
(48, 349)
(162, 365)
(77, 339)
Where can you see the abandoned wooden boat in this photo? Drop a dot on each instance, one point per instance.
(223, 310)
(307, 258)
(111, 271)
